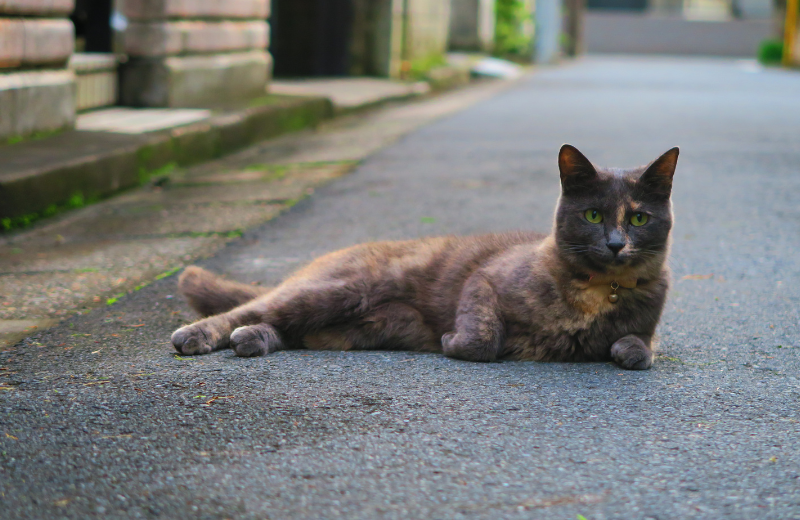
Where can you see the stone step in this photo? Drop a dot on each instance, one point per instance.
(194, 37)
(206, 9)
(48, 173)
(35, 42)
(36, 101)
(37, 7)
(194, 81)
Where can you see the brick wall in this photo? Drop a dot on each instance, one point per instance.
(36, 88)
(193, 53)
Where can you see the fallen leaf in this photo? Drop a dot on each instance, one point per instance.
(11, 437)
(62, 502)
(698, 276)
(208, 403)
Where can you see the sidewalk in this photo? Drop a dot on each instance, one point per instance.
(351, 94)
(119, 148)
(92, 256)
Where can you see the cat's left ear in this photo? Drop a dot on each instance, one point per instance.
(657, 178)
(577, 172)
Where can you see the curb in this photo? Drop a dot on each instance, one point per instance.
(95, 165)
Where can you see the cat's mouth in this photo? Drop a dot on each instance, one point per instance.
(605, 261)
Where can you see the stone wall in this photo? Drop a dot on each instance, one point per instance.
(37, 90)
(472, 25)
(427, 30)
(195, 53)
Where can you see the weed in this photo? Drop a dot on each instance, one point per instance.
(770, 52)
(36, 136)
(145, 175)
(114, 299)
(168, 273)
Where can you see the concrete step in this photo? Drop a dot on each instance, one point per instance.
(44, 175)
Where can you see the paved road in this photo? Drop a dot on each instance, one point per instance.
(118, 427)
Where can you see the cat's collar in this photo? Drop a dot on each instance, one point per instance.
(613, 282)
(598, 279)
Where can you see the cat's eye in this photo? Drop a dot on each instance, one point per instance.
(593, 216)
(639, 219)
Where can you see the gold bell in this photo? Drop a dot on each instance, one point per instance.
(614, 297)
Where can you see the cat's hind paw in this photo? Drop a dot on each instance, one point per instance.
(256, 340)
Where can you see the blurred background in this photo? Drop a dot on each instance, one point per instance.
(74, 56)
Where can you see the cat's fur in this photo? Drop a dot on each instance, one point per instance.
(481, 298)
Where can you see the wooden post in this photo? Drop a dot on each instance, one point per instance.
(790, 32)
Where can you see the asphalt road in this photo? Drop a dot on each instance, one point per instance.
(102, 420)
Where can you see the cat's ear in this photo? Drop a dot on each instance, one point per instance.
(656, 181)
(577, 172)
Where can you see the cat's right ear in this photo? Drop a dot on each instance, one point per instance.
(577, 172)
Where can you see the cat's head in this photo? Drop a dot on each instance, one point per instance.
(610, 220)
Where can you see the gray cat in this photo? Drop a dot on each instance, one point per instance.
(592, 290)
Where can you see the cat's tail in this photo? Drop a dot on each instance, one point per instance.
(210, 294)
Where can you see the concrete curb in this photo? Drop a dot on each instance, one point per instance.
(38, 176)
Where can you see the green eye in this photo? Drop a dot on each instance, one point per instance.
(639, 219)
(593, 216)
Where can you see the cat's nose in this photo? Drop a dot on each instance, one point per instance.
(615, 247)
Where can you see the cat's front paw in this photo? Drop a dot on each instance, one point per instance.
(457, 345)
(632, 353)
(197, 338)
(255, 340)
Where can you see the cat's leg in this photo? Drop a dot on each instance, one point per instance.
(479, 329)
(292, 307)
(633, 352)
(394, 326)
(256, 340)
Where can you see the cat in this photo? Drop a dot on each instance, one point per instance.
(592, 290)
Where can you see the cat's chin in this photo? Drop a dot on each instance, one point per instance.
(608, 265)
(614, 267)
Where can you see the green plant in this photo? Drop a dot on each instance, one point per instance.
(36, 136)
(770, 52)
(145, 175)
(419, 68)
(77, 200)
(512, 34)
